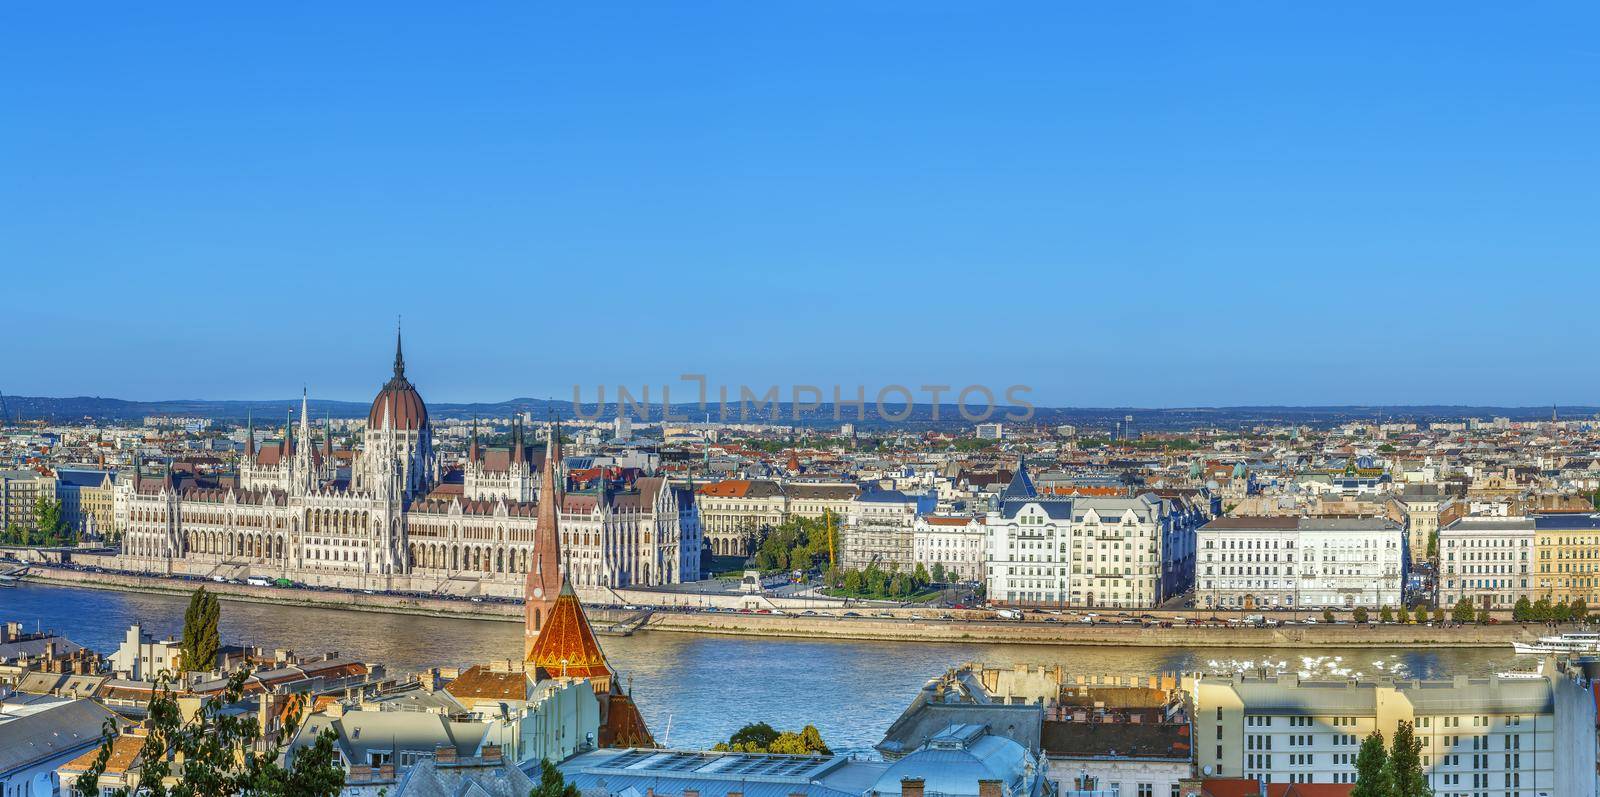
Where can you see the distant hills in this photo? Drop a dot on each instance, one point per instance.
(921, 416)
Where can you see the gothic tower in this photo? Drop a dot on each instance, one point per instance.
(544, 572)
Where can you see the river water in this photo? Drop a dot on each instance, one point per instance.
(706, 687)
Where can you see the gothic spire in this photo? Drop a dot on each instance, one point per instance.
(250, 435)
(399, 356)
(472, 451)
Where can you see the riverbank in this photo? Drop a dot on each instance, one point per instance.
(903, 629)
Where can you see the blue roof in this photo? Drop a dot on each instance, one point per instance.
(1058, 508)
(80, 478)
(1021, 485)
(886, 497)
(1576, 522)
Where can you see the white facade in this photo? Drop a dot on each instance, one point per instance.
(1488, 560)
(958, 543)
(141, 657)
(1294, 563)
(1082, 552)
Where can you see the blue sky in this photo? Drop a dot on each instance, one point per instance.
(1160, 204)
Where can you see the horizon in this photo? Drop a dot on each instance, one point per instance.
(1255, 205)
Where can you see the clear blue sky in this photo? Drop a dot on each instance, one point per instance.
(1152, 204)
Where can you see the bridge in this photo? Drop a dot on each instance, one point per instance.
(625, 626)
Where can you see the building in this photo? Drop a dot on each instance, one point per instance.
(39, 734)
(1081, 551)
(958, 543)
(1119, 738)
(88, 500)
(1421, 504)
(20, 491)
(736, 514)
(1568, 551)
(141, 657)
(392, 521)
(1493, 736)
(990, 431)
(813, 500)
(1277, 562)
(879, 530)
(1487, 560)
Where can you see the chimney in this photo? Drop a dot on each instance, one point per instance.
(491, 754)
(988, 788)
(691, 793)
(444, 754)
(735, 794)
(911, 787)
(360, 773)
(386, 772)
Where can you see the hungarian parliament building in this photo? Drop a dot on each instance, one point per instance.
(397, 519)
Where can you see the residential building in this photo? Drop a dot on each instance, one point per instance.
(1487, 560)
(958, 542)
(1066, 550)
(1484, 737)
(1568, 551)
(141, 657)
(880, 530)
(20, 491)
(814, 499)
(1277, 562)
(1421, 503)
(38, 734)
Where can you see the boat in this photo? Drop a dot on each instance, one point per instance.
(1571, 642)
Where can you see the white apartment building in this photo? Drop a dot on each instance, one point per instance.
(1481, 737)
(879, 530)
(1299, 562)
(1076, 551)
(957, 542)
(1488, 560)
(141, 657)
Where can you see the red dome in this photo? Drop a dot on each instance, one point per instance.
(398, 400)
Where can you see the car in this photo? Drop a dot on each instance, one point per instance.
(851, 614)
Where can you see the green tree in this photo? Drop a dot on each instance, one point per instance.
(1433, 545)
(1463, 612)
(47, 520)
(920, 576)
(759, 737)
(215, 752)
(1438, 615)
(1542, 611)
(201, 639)
(1385, 615)
(938, 573)
(853, 582)
(1579, 610)
(900, 586)
(1372, 774)
(1327, 615)
(1482, 618)
(1522, 612)
(1405, 764)
(1360, 614)
(1561, 613)
(1402, 616)
(552, 783)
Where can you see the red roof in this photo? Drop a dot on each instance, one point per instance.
(566, 645)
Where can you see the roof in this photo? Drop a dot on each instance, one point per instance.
(638, 772)
(465, 778)
(384, 731)
(398, 403)
(37, 737)
(124, 751)
(566, 646)
(482, 683)
(741, 488)
(1567, 522)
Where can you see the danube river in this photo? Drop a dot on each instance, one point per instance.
(703, 687)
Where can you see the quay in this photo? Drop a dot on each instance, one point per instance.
(910, 625)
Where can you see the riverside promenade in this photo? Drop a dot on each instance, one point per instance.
(910, 625)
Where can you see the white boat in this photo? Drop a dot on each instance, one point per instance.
(1572, 642)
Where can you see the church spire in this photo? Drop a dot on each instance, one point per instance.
(472, 451)
(250, 436)
(544, 580)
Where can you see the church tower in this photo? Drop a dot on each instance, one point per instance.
(544, 572)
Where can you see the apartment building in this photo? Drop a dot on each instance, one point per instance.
(880, 530)
(1277, 562)
(88, 500)
(1420, 504)
(815, 499)
(20, 491)
(1488, 560)
(1568, 553)
(957, 542)
(1057, 551)
(1481, 737)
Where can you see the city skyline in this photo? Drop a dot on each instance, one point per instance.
(1208, 207)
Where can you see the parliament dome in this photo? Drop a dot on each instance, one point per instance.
(399, 400)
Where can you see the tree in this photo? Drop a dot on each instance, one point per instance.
(1482, 618)
(920, 576)
(215, 752)
(1385, 615)
(1327, 615)
(900, 586)
(201, 640)
(938, 573)
(552, 783)
(1360, 614)
(1438, 615)
(1402, 616)
(1542, 611)
(1433, 545)
(1372, 774)
(47, 520)
(1579, 610)
(1561, 613)
(1523, 611)
(759, 737)
(1462, 613)
(1405, 764)
(853, 581)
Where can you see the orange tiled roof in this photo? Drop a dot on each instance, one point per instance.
(566, 645)
(481, 682)
(735, 488)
